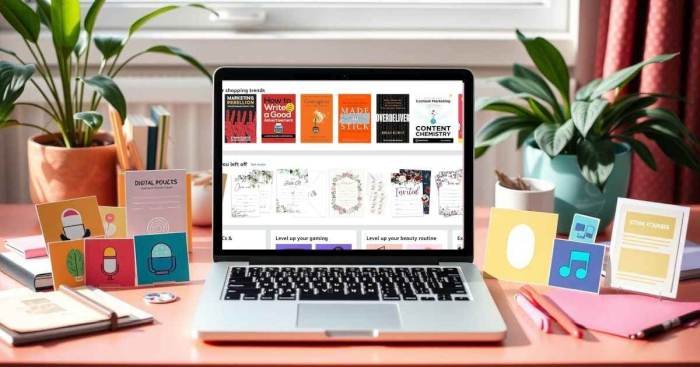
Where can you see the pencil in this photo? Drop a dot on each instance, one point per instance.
(553, 310)
(122, 155)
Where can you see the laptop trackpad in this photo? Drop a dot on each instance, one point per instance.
(343, 316)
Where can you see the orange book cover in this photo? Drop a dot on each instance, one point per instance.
(316, 118)
(354, 111)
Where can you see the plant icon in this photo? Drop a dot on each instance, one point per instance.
(74, 264)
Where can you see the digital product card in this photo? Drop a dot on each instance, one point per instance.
(161, 258)
(646, 246)
(109, 262)
(67, 263)
(576, 265)
(70, 219)
(156, 201)
(519, 245)
(584, 228)
(114, 221)
(434, 119)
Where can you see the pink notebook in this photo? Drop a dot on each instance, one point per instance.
(618, 314)
(29, 246)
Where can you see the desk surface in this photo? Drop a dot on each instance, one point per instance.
(169, 341)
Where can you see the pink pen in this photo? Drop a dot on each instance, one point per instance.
(538, 317)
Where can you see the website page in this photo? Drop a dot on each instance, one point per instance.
(342, 165)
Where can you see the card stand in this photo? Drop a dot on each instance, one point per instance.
(121, 200)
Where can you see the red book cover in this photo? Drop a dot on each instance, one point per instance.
(239, 118)
(278, 118)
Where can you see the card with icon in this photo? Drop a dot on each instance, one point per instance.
(72, 219)
(67, 263)
(161, 258)
(576, 265)
(114, 221)
(584, 228)
(109, 262)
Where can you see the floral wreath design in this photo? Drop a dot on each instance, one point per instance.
(298, 177)
(445, 178)
(334, 184)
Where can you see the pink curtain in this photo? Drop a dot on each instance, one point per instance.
(632, 30)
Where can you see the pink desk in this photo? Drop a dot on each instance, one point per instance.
(170, 341)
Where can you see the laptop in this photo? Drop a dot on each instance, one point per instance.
(343, 208)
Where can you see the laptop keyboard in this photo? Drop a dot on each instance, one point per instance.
(361, 283)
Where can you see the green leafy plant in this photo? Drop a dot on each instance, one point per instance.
(75, 263)
(588, 126)
(66, 103)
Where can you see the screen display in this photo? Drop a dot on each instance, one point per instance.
(342, 165)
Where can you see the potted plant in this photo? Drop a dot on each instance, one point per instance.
(75, 160)
(582, 144)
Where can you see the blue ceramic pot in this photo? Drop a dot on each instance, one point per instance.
(573, 194)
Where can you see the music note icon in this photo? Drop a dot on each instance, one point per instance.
(576, 256)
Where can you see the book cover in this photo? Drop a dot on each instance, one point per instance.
(435, 120)
(156, 201)
(316, 118)
(460, 118)
(278, 118)
(239, 118)
(354, 111)
(392, 118)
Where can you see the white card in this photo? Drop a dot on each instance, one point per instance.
(346, 193)
(450, 192)
(251, 193)
(407, 195)
(291, 189)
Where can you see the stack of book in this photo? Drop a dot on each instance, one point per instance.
(25, 260)
(150, 137)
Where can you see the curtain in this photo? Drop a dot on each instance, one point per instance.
(632, 30)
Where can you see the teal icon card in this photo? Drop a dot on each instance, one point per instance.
(576, 265)
(584, 228)
(161, 258)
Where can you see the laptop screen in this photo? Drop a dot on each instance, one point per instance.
(341, 165)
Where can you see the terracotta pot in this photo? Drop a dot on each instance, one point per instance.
(58, 173)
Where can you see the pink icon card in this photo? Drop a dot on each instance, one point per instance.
(109, 263)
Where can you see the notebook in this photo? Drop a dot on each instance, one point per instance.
(29, 246)
(34, 273)
(28, 317)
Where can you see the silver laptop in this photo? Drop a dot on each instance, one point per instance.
(343, 208)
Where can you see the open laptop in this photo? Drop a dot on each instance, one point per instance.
(343, 208)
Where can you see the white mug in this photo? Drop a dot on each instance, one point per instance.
(539, 199)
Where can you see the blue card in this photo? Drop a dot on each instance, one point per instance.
(161, 257)
(584, 228)
(576, 265)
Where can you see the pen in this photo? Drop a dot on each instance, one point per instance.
(553, 310)
(667, 325)
(538, 317)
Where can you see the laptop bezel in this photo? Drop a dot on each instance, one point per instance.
(353, 256)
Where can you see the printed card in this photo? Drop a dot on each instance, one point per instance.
(114, 221)
(109, 262)
(161, 258)
(291, 189)
(156, 202)
(425, 178)
(584, 228)
(376, 196)
(70, 219)
(67, 263)
(346, 193)
(314, 201)
(239, 118)
(252, 193)
(646, 246)
(450, 192)
(519, 245)
(576, 265)
(407, 194)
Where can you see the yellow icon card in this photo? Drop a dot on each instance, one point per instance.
(114, 221)
(72, 219)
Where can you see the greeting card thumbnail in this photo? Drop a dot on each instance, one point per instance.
(278, 118)
(109, 262)
(425, 179)
(239, 118)
(70, 219)
(354, 111)
(392, 118)
(316, 118)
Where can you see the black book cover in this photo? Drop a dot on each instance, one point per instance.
(392, 118)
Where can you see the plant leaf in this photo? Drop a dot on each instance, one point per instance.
(639, 148)
(11, 53)
(625, 110)
(539, 110)
(109, 45)
(548, 61)
(482, 102)
(523, 72)
(91, 16)
(621, 77)
(675, 149)
(22, 18)
(91, 119)
(175, 51)
(584, 94)
(552, 139)
(82, 44)
(507, 107)
(523, 136)
(13, 78)
(499, 130)
(43, 9)
(521, 85)
(109, 90)
(139, 23)
(596, 159)
(65, 24)
(585, 114)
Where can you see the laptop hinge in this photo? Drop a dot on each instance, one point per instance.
(342, 260)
